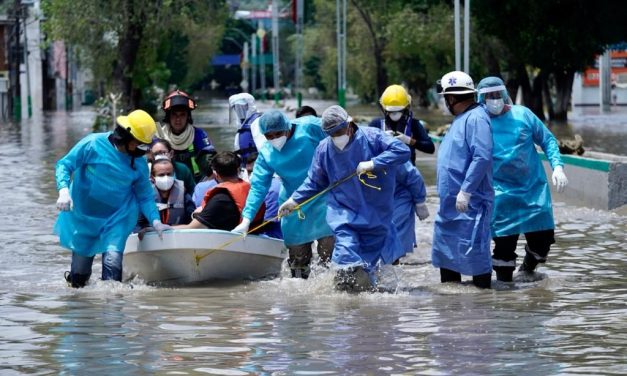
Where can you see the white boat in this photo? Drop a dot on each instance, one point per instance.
(194, 256)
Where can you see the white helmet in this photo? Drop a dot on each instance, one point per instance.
(457, 82)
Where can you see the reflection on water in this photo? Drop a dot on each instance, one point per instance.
(572, 322)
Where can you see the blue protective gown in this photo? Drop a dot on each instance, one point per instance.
(291, 164)
(410, 190)
(107, 195)
(360, 216)
(461, 241)
(522, 200)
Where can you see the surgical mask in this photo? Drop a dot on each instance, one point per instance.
(164, 183)
(340, 141)
(396, 116)
(495, 106)
(278, 142)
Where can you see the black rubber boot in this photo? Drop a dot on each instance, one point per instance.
(482, 281)
(353, 280)
(77, 281)
(504, 274)
(529, 264)
(300, 272)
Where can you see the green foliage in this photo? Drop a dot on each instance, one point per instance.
(170, 39)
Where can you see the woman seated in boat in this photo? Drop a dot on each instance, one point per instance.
(223, 204)
(174, 204)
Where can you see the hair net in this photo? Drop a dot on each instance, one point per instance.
(273, 121)
(335, 118)
(491, 85)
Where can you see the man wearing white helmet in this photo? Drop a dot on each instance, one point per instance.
(461, 240)
(249, 138)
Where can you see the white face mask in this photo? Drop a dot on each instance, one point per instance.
(164, 183)
(396, 116)
(495, 106)
(340, 141)
(278, 142)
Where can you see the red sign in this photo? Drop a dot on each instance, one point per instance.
(619, 66)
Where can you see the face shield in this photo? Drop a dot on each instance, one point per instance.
(494, 92)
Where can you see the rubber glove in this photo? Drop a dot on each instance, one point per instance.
(287, 207)
(422, 211)
(64, 202)
(461, 203)
(389, 132)
(559, 178)
(160, 227)
(242, 228)
(403, 138)
(365, 167)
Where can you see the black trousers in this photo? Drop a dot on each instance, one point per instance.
(483, 281)
(536, 250)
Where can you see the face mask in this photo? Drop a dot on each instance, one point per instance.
(278, 142)
(164, 183)
(340, 141)
(396, 116)
(495, 106)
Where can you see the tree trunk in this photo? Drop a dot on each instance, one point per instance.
(548, 100)
(563, 90)
(128, 48)
(378, 44)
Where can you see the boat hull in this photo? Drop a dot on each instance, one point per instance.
(197, 256)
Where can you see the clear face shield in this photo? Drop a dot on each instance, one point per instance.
(237, 113)
(494, 98)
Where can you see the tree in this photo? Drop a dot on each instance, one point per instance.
(547, 42)
(128, 43)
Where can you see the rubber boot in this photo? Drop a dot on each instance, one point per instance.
(353, 280)
(300, 272)
(504, 274)
(482, 281)
(77, 281)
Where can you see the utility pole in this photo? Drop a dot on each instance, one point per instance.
(254, 63)
(275, 50)
(262, 64)
(299, 52)
(457, 32)
(29, 102)
(341, 51)
(605, 81)
(16, 100)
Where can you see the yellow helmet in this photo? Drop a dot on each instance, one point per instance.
(395, 98)
(139, 124)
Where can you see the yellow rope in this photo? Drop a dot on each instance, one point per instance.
(301, 215)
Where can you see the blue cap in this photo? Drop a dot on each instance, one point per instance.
(273, 121)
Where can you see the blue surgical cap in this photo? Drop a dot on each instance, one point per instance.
(490, 85)
(273, 121)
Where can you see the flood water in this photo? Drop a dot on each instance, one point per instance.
(573, 322)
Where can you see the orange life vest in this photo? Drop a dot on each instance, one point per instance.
(238, 191)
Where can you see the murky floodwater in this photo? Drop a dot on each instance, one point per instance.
(572, 322)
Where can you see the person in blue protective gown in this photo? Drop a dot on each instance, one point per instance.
(288, 154)
(410, 195)
(103, 183)
(522, 203)
(461, 238)
(360, 209)
(273, 228)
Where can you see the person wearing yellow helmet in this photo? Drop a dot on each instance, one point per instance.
(103, 184)
(398, 120)
(187, 140)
